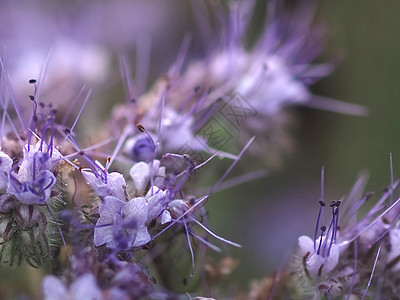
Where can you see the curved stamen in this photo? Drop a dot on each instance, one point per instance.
(207, 243)
(321, 207)
(190, 247)
(372, 272)
(215, 235)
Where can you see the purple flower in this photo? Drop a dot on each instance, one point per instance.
(5, 168)
(115, 185)
(34, 180)
(157, 202)
(142, 172)
(276, 71)
(177, 130)
(140, 148)
(82, 288)
(394, 252)
(122, 224)
(321, 255)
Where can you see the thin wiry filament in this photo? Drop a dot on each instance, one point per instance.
(215, 235)
(207, 243)
(190, 247)
(372, 272)
(321, 207)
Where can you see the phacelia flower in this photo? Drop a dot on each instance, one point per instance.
(34, 180)
(321, 255)
(5, 168)
(142, 173)
(83, 287)
(122, 224)
(115, 185)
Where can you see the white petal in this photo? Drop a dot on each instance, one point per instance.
(142, 237)
(315, 262)
(306, 244)
(395, 247)
(140, 173)
(137, 207)
(114, 187)
(53, 288)
(109, 207)
(85, 288)
(157, 202)
(165, 217)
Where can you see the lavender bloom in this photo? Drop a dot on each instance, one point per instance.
(140, 148)
(335, 263)
(276, 71)
(33, 182)
(157, 202)
(79, 49)
(114, 187)
(142, 172)
(322, 255)
(176, 130)
(122, 224)
(82, 288)
(5, 168)
(271, 74)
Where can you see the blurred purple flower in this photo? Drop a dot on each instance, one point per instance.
(82, 288)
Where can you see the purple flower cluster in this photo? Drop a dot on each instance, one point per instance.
(111, 208)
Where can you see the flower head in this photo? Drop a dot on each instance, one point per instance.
(83, 287)
(34, 180)
(122, 224)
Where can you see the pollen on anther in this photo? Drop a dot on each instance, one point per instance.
(140, 127)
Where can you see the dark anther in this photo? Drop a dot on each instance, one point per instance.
(67, 131)
(368, 195)
(32, 81)
(81, 152)
(133, 100)
(322, 203)
(323, 228)
(333, 203)
(145, 247)
(338, 203)
(140, 127)
(209, 90)
(196, 89)
(31, 97)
